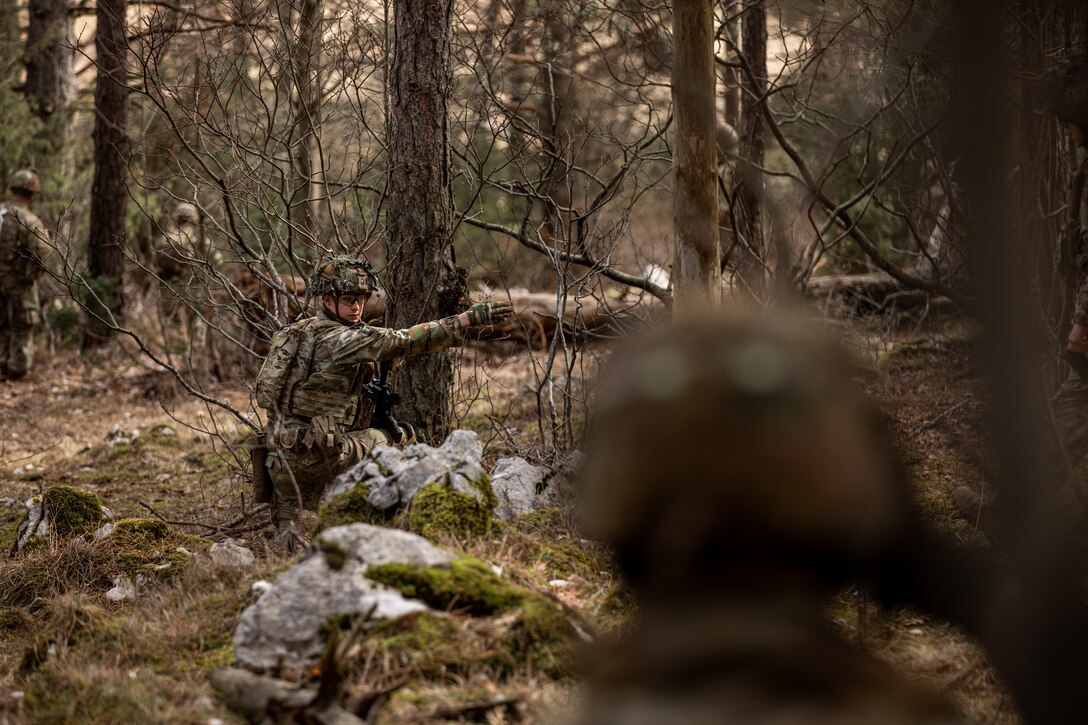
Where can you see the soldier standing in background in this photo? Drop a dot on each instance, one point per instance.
(313, 384)
(184, 263)
(23, 249)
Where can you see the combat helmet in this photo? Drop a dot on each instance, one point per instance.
(186, 212)
(343, 276)
(26, 181)
(738, 443)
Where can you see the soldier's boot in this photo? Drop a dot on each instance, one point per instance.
(307, 525)
(295, 535)
(980, 512)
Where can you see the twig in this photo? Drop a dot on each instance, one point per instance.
(214, 528)
(478, 712)
(928, 424)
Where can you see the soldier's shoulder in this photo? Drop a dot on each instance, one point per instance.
(28, 218)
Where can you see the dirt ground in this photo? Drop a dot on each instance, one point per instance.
(102, 424)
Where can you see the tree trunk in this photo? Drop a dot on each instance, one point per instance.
(424, 282)
(109, 192)
(50, 81)
(554, 122)
(306, 101)
(751, 247)
(695, 194)
(732, 76)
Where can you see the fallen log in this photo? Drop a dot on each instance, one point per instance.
(871, 293)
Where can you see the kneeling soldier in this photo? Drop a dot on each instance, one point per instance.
(314, 386)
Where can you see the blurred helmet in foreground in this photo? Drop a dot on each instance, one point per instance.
(732, 442)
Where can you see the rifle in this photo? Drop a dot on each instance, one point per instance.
(385, 398)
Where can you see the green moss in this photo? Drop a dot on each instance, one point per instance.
(339, 623)
(140, 531)
(541, 633)
(544, 636)
(617, 609)
(468, 584)
(564, 558)
(143, 546)
(434, 644)
(36, 542)
(438, 510)
(335, 556)
(71, 511)
(350, 507)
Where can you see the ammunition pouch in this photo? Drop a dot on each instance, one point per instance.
(324, 433)
(258, 459)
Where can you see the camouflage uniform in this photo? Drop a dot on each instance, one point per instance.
(23, 247)
(180, 256)
(319, 425)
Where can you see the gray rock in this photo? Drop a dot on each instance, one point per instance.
(228, 553)
(389, 460)
(463, 444)
(515, 482)
(104, 530)
(376, 545)
(125, 589)
(382, 463)
(36, 522)
(395, 476)
(282, 629)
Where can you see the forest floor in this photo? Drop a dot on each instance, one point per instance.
(146, 660)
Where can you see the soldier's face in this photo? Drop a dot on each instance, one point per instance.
(347, 307)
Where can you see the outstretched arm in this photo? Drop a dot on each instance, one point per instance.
(374, 344)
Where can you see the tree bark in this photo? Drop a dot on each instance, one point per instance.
(424, 282)
(50, 80)
(306, 101)
(109, 192)
(695, 194)
(555, 119)
(751, 250)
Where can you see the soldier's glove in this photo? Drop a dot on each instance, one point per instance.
(489, 313)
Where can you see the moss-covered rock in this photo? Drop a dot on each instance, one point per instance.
(72, 512)
(438, 510)
(335, 556)
(468, 585)
(540, 634)
(351, 507)
(150, 546)
(140, 531)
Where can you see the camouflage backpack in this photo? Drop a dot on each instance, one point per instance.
(19, 250)
(287, 364)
